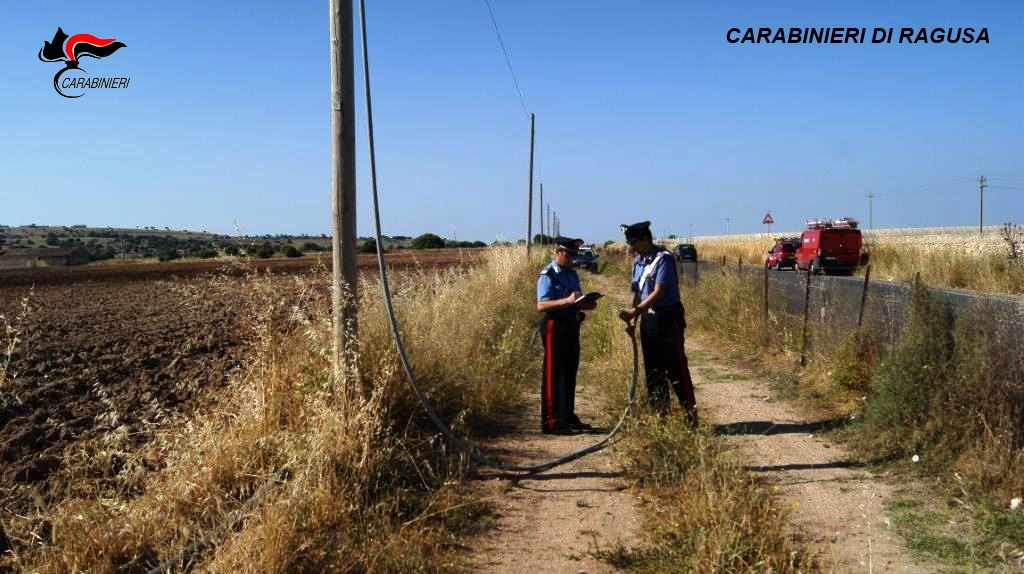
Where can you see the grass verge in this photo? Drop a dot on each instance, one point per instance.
(949, 393)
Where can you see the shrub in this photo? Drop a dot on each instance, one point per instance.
(310, 247)
(953, 390)
(291, 251)
(168, 255)
(368, 246)
(856, 362)
(232, 250)
(428, 241)
(264, 251)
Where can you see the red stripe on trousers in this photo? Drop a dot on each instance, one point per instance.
(549, 379)
(681, 355)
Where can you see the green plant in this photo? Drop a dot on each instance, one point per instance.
(856, 361)
(368, 246)
(264, 251)
(291, 251)
(428, 241)
(168, 255)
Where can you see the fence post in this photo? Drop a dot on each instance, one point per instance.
(739, 264)
(696, 272)
(807, 311)
(863, 297)
(766, 304)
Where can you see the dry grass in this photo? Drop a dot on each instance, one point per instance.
(947, 257)
(704, 513)
(948, 267)
(949, 391)
(365, 486)
(701, 510)
(12, 331)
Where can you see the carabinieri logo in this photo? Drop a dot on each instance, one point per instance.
(69, 50)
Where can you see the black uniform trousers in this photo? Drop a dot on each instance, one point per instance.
(665, 364)
(560, 333)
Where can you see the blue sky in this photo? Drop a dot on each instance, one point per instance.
(644, 111)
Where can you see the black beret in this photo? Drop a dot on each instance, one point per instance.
(568, 243)
(636, 230)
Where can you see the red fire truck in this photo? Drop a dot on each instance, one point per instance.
(831, 246)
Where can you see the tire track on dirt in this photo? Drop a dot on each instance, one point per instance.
(835, 503)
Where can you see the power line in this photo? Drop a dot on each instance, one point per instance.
(508, 60)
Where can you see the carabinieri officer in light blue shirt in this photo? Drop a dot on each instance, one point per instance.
(655, 286)
(558, 287)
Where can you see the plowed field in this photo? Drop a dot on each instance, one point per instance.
(123, 339)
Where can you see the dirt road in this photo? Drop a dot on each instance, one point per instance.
(836, 503)
(554, 521)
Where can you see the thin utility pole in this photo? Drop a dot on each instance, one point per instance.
(343, 194)
(529, 203)
(541, 207)
(727, 226)
(691, 233)
(548, 207)
(871, 217)
(981, 204)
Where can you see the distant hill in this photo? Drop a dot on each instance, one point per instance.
(166, 243)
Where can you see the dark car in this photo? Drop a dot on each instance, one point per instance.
(686, 252)
(783, 254)
(585, 258)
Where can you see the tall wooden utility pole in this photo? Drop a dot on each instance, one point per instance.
(343, 195)
(981, 204)
(871, 216)
(541, 208)
(529, 203)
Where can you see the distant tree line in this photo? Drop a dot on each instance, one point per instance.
(108, 244)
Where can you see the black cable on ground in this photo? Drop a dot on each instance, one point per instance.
(182, 558)
(469, 450)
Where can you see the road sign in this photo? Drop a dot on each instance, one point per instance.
(768, 219)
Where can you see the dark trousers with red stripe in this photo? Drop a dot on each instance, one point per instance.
(665, 364)
(558, 379)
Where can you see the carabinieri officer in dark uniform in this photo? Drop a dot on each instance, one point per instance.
(655, 286)
(557, 288)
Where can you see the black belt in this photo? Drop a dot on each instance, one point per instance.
(665, 309)
(566, 316)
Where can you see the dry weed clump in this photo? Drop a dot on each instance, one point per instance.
(12, 331)
(705, 513)
(952, 392)
(359, 486)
